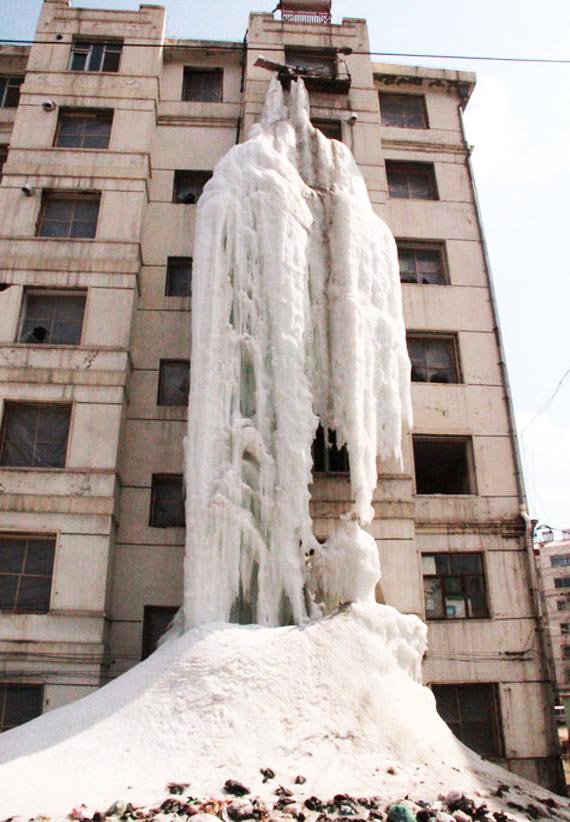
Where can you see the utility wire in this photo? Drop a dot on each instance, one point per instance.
(548, 402)
(239, 47)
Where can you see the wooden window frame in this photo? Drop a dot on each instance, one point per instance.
(408, 170)
(51, 540)
(406, 115)
(87, 46)
(59, 294)
(85, 115)
(455, 370)
(435, 247)
(49, 197)
(464, 594)
(8, 405)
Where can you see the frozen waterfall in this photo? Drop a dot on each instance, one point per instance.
(296, 320)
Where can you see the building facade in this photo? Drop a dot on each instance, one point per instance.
(108, 133)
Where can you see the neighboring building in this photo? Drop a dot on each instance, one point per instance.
(108, 150)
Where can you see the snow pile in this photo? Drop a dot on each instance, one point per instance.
(337, 701)
(297, 319)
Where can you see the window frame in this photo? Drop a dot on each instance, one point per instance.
(495, 714)
(471, 472)
(50, 292)
(465, 594)
(53, 195)
(422, 105)
(4, 686)
(197, 71)
(94, 114)
(155, 481)
(12, 82)
(178, 183)
(412, 169)
(6, 536)
(171, 264)
(162, 368)
(417, 247)
(89, 44)
(8, 404)
(453, 342)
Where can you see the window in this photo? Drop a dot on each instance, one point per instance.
(34, 435)
(52, 318)
(454, 586)
(422, 264)
(434, 359)
(156, 620)
(173, 382)
(403, 110)
(202, 85)
(561, 561)
(167, 501)
(562, 582)
(19, 704)
(562, 605)
(327, 458)
(10, 91)
(84, 129)
(411, 181)
(188, 185)
(179, 276)
(68, 216)
(26, 568)
(3, 158)
(565, 627)
(317, 62)
(565, 649)
(88, 55)
(472, 713)
(443, 465)
(330, 128)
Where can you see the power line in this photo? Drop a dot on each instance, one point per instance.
(549, 401)
(239, 47)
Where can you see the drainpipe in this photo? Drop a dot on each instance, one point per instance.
(242, 84)
(535, 589)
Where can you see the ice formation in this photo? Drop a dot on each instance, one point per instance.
(296, 320)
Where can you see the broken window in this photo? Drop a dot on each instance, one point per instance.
(173, 382)
(10, 91)
(403, 110)
(88, 55)
(411, 181)
(434, 359)
(422, 263)
(19, 704)
(443, 465)
(26, 568)
(327, 458)
(560, 561)
(84, 129)
(562, 582)
(330, 128)
(167, 501)
(202, 85)
(188, 185)
(34, 435)
(68, 215)
(157, 619)
(52, 318)
(454, 586)
(316, 62)
(179, 277)
(472, 713)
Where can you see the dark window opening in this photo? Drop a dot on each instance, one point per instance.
(19, 704)
(167, 501)
(202, 85)
(327, 458)
(411, 181)
(3, 158)
(319, 63)
(53, 318)
(84, 129)
(403, 110)
(565, 651)
(156, 621)
(434, 359)
(472, 713)
(454, 586)
(179, 277)
(562, 582)
(560, 561)
(330, 128)
(443, 465)
(26, 569)
(562, 604)
(34, 435)
(68, 216)
(565, 627)
(173, 382)
(188, 185)
(10, 91)
(87, 55)
(422, 264)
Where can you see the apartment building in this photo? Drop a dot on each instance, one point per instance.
(554, 565)
(108, 133)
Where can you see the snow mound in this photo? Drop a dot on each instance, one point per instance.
(338, 701)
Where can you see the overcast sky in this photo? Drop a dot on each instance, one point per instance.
(519, 122)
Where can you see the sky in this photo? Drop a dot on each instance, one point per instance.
(518, 121)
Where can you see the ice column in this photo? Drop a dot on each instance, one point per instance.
(296, 319)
